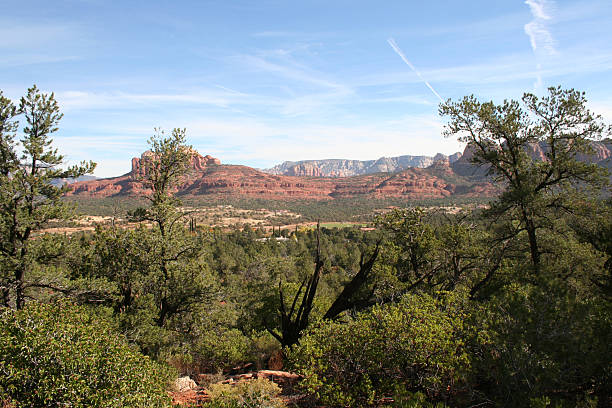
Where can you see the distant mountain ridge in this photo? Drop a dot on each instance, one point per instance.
(305, 180)
(348, 168)
(211, 178)
(601, 154)
(61, 181)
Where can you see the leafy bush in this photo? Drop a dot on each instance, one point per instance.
(259, 393)
(413, 346)
(63, 355)
(545, 345)
(222, 348)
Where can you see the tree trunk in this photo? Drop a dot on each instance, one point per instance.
(533, 240)
(19, 295)
(533, 246)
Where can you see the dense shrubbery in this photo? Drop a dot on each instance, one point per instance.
(413, 346)
(64, 355)
(544, 343)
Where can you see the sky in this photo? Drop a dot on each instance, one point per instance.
(261, 82)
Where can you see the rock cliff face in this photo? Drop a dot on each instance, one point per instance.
(602, 155)
(130, 183)
(210, 177)
(198, 163)
(306, 180)
(242, 181)
(304, 169)
(347, 168)
(442, 166)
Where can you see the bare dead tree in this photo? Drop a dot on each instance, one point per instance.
(291, 327)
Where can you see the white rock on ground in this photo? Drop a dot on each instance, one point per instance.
(185, 384)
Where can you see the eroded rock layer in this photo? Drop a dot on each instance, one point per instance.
(209, 177)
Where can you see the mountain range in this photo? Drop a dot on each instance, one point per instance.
(322, 179)
(347, 168)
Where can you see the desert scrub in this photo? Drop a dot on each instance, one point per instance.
(414, 346)
(63, 355)
(259, 393)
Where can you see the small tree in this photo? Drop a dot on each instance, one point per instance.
(176, 277)
(28, 199)
(501, 137)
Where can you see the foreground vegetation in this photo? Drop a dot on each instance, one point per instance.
(504, 306)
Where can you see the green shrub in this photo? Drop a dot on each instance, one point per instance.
(259, 393)
(545, 347)
(63, 355)
(218, 349)
(392, 350)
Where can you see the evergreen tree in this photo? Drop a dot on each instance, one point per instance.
(28, 199)
(536, 191)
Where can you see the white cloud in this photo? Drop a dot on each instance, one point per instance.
(22, 59)
(537, 9)
(267, 143)
(540, 38)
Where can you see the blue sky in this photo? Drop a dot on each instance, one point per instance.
(260, 82)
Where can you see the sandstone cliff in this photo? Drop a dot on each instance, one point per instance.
(602, 155)
(209, 177)
(306, 180)
(347, 168)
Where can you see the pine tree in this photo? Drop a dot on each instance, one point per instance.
(28, 199)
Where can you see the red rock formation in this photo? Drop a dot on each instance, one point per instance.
(442, 166)
(601, 154)
(209, 177)
(198, 163)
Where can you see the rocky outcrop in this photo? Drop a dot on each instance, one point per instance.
(410, 184)
(347, 168)
(198, 163)
(209, 177)
(466, 168)
(304, 169)
(442, 166)
(312, 180)
(601, 154)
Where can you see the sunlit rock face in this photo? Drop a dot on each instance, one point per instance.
(347, 168)
(209, 177)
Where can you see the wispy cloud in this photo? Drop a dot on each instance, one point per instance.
(295, 88)
(250, 141)
(20, 60)
(18, 34)
(540, 38)
(291, 71)
(399, 52)
(26, 43)
(80, 100)
(504, 69)
(283, 34)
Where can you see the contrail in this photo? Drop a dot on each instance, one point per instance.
(399, 52)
